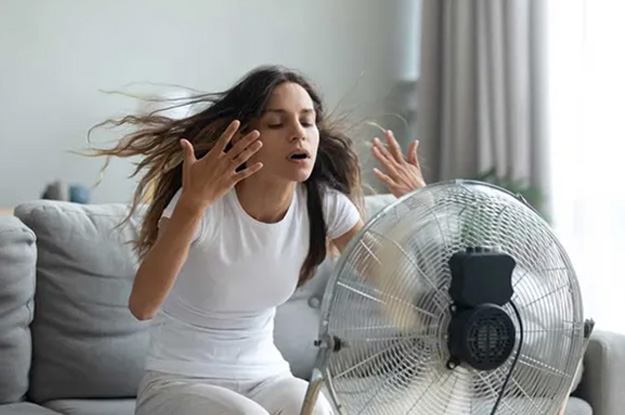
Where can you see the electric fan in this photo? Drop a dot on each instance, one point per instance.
(455, 299)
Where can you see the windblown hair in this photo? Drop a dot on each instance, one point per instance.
(157, 137)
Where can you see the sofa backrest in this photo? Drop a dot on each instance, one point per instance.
(18, 254)
(86, 343)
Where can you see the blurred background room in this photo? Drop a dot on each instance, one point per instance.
(526, 94)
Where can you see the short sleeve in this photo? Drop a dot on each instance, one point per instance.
(341, 215)
(169, 210)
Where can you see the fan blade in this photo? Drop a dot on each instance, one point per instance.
(388, 274)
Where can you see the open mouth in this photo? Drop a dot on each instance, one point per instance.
(299, 155)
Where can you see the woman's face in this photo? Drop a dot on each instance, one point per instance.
(289, 134)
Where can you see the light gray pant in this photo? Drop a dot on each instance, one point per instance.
(167, 394)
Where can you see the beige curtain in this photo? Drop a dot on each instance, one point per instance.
(481, 99)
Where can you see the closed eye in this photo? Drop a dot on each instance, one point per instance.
(276, 126)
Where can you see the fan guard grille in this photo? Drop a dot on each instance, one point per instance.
(389, 303)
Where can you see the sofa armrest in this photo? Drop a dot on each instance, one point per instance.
(603, 380)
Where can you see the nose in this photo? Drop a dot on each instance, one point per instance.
(297, 133)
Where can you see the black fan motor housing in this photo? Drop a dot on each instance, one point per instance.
(480, 276)
(483, 337)
(481, 333)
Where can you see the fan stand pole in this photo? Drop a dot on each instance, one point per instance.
(316, 380)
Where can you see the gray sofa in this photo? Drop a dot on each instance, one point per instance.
(68, 343)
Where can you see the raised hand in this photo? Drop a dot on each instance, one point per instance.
(206, 180)
(401, 174)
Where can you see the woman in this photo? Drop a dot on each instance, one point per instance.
(248, 194)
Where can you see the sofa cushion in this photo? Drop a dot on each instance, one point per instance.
(93, 406)
(603, 383)
(375, 203)
(18, 256)
(577, 406)
(25, 408)
(86, 343)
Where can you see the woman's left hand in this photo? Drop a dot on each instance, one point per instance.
(401, 174)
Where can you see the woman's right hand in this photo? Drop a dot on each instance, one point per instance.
(206, 180)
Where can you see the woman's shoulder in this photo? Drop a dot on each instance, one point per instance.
(334, 201)
(333, 196)
(209, 211)
(211, 217)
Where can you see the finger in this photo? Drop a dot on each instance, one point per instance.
(247, 172)
(412, 153)
(384, 178)
(227, 136)
(244, 143)
(394, 146)
(247, 153)
(381, 150)
(187, 151)
(385, 159)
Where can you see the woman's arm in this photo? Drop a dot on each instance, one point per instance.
(342, 241)
(204, 181)
(161, 265)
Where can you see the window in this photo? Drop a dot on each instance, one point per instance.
(586, 126)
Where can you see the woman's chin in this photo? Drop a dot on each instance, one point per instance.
(293, 172)
(300, 178)
(299, 175)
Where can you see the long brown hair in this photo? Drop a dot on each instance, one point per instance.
(157, 141)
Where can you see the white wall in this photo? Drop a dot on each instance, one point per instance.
(56, 55)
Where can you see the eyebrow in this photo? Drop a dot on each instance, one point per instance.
(281, 111)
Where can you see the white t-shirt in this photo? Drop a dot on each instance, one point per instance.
(217, 321)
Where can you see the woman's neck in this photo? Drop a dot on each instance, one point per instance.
(265, 201)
